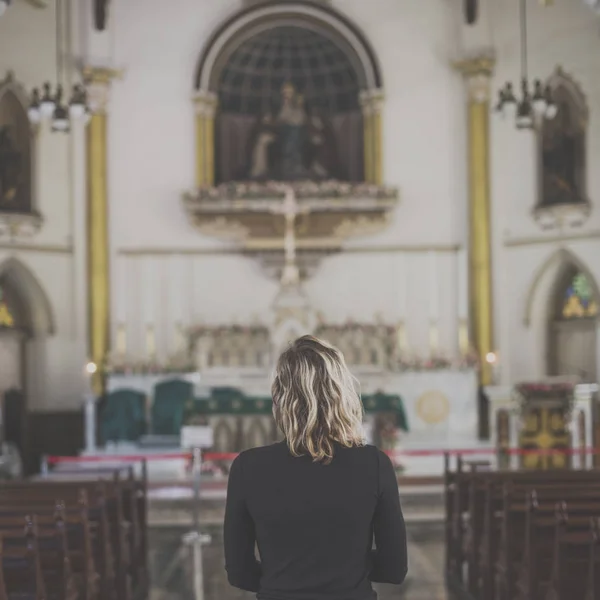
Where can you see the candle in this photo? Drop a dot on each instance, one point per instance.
(150, 341)
(179, 342)
(463, 337)
(121, 340)
(434, 338)
(402, 338)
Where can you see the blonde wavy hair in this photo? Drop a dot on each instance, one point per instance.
(316, 400)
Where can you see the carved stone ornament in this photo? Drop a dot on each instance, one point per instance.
(330, 212)
(562, 216)
(15, 225)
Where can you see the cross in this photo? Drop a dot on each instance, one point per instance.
(290, 209)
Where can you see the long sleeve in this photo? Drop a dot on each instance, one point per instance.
(390, 562)
(243, 570)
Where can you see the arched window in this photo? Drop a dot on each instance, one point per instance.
(563, 146)
(573, 326)
(578, 299)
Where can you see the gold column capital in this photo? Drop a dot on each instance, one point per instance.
(205, 103)
(97, 82)
(477, 72)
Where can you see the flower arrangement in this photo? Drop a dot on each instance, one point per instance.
(148, 368)
(436, 363)
(251, 190)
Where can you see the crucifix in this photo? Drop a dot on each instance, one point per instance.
(290, 209)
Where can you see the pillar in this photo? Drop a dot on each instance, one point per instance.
(477, 73)
(98, 82)
(372, 104)
(205, 104)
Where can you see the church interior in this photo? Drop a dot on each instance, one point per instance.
(187, 186)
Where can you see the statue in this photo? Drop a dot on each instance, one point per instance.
(292, 130)
(293, 146)
(262, 149)
(10, 163)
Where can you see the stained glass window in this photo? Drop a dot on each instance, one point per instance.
(579, 301)
(6, 317)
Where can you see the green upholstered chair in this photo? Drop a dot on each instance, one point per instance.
(123, 416)
(169, 406)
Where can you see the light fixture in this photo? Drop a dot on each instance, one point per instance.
(531, 108)
(60, 118)
(91, 368)
(33, 112)
(4, 4)
(49, 106)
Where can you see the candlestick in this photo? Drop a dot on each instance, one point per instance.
(150, 341)
(463, 337)
(434, 338)
(121, 340)
(402, 338)
(179, 342)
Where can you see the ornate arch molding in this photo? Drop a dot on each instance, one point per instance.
(39, 311)
(251, 21)
(560, 79)
(555, 207)
(550, 275)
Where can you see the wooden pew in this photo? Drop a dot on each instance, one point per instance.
(502, 530)
(106, 519)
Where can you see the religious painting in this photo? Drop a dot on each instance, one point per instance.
(563, 154)
(15, 152)
(289, 110)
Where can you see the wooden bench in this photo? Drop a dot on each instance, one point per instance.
(523, 535)
(100, 518)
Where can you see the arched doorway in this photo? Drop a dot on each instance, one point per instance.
(13, 332)
(25, 320)
(573, 326)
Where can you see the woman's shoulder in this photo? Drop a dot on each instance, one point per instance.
(260, 453)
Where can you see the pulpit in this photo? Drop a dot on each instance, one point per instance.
(545, 424)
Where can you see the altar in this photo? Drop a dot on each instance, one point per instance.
(422, 411)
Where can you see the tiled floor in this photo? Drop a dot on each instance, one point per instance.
(173, 572)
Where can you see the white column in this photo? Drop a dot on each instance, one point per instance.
(77, 147)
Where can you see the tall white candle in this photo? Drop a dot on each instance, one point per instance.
(434, 338)
(402, 338)
(150, 341)
(121, 340)
(434, 299)
(463, 336)
(179, 342)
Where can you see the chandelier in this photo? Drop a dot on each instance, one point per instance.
(535, 103)
(49, 105)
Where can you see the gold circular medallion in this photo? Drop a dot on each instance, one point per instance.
(433, 407)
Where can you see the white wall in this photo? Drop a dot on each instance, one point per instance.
(567, 35)
(28, 49)
(152, 162)
(165, 272)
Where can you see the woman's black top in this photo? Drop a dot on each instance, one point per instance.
(314, 524)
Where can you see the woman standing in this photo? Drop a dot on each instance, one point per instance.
(314, 503)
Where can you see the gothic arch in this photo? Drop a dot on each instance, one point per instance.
(544, 285)
(563, 145)
(561, 81)
(255, 19)
(39, 317)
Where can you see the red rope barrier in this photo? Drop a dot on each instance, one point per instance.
(225, 456)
